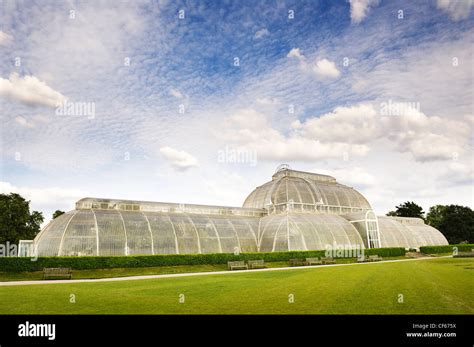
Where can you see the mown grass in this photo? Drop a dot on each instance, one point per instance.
(435, 286)
(142, 271)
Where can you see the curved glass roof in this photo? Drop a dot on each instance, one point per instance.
(295, 211)
(102, 232)
(304, 231)
(408, 233)
(303, 191)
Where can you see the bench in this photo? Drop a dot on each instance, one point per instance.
(256, 264)
(297, 262)
(328, 260)
(362, 259)
(374, 258)
(57, 272)
(313, 261)
(237, 265)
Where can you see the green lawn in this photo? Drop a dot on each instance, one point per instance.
(140, 271)
(435, 286)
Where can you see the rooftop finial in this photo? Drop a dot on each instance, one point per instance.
(282, 167)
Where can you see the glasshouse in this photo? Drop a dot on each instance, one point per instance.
(295, 211)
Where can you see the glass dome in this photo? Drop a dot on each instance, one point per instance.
(306, 192)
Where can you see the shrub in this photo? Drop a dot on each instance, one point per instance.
(445, 249)
(18, 264)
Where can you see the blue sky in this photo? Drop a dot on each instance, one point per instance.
(161, 121)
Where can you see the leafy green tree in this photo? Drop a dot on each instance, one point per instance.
(57, 213)
(435, 215)
(408, 209)
(455, 222)
(16, 221)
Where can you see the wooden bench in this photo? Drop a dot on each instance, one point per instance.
(362, 259)
(374, 258)
(57, 272)
(237, 265)
(257, 264)
(297, 262)
(328, 260)
(313, 261)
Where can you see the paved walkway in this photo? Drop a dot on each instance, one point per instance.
(148, 277)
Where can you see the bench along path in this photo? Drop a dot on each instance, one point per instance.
(147, 277)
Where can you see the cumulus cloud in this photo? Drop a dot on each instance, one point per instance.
(355, 124)
(261, 33)
(322, 67)
(295, 53)
(5, 39)
(360, 9)
(326, 68)
(179, 160)
(251, 130)
(457, 9)
(351, 130)
(427, 138)
(29, 90)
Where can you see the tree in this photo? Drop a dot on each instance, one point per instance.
(57, 213)
(16, 221)
(408, 209)
(455, 222)
(435, 215)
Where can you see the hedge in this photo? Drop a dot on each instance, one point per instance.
(445, 249)
(18, 264)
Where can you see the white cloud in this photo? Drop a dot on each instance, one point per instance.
(46, 200)
(352, 176)
(459, 173)
(40, 196)
(351, 130)
(295, 53)
(251, 130)
(355, 124)
(268, 101)
(322, 67)
(261, 33)
(179, 160)
(176, 93)
(326, 68)
(360, 9)
(22, 121)
(29, 90)
(5, 39)
(457, 9)
(427, 138)
(469, 118)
